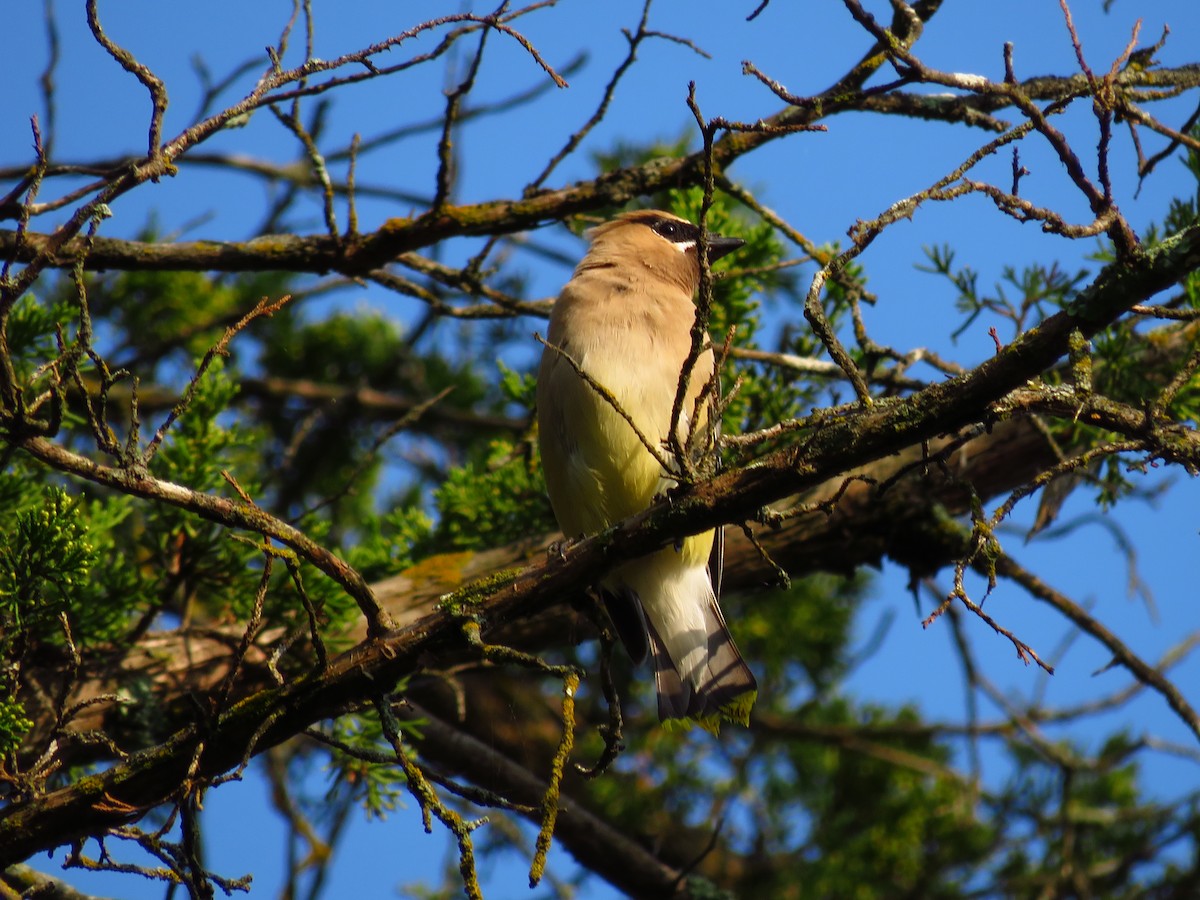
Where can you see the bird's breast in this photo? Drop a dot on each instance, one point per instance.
(632, 346)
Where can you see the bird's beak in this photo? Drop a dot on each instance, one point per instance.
(718, 246)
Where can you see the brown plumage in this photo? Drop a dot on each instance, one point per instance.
(625, 318)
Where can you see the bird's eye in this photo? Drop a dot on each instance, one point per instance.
(677, 232)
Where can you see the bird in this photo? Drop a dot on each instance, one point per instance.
(625, 320)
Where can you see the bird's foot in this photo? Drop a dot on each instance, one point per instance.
(557, 550)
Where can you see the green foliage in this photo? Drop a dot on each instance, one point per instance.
(354, 770)
(14, 724)
(1182, 211)
(55, 556)
(160, 314)
(327, 453)
(495, 498)
(517, 388)
(31, 331)
(44, 554)
(1023, 297)
(802, 636)
(197, 442)
(886, 819)
(204, 563)
(389, 543)
(1126, 364)
(1096, 813)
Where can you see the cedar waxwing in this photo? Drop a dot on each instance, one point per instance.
(625, 318)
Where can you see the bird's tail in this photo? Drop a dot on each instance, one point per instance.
(665, 606)
(720, 687)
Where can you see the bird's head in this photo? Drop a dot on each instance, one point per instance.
(661, 242)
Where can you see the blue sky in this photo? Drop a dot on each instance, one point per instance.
(822, 183)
